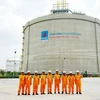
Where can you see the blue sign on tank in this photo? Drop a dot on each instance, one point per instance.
(44, 35)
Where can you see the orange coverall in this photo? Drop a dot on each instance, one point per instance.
(64, 83)
(43, 83)
(35, 84)
(78, 82)
(71, 80)
(21, 84)
(56, 82)
(28, 84)
(49, 82)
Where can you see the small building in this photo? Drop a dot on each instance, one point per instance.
(13, 65)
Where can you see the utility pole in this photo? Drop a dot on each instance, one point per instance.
(14, 63)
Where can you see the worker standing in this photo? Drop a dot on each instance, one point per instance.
(21, 83)
(35, 83)
(43, 82)
(71, 80)
(57, 82)
(28, 83)
(49, 82)
(78, 82)
(64, 82)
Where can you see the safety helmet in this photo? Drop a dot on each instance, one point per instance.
(57, 70)
(49, 71)
(77, 71)
(43, 70)
(64, 71)
(70, 72)
(22, 71)
(36, 71)
(28, 71)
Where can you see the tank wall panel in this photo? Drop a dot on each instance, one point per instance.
(69, 52)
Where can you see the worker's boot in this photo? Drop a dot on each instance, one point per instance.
(33, 94)
(58, 92)
(43, 93)
(62, 92)
(22, 93)
(37, 94)
(65, 92)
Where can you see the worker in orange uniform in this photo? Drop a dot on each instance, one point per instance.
(28, 83)
(78, 82)
(64, 82)
(21, 83)
(49, 82)
(71, 80)
(35, 83)
(57, 82)
(43, 82)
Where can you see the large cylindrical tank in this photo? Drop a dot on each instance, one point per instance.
(63, 42)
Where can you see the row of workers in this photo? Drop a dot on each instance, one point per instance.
(25, 81)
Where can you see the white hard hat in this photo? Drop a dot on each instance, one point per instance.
(28, 71)
(57, 70)
(70, 72)
(49, 71)
(64, 71)
(77, 71)
(43, 70)
(22, 71)
(36, 71)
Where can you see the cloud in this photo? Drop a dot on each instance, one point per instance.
(97, 4)
(97, 8)
(10, 32)
(13, 15)
(11, 26)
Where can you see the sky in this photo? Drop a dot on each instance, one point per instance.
(15, 13)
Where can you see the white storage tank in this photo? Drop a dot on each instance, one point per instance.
(62, 41)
